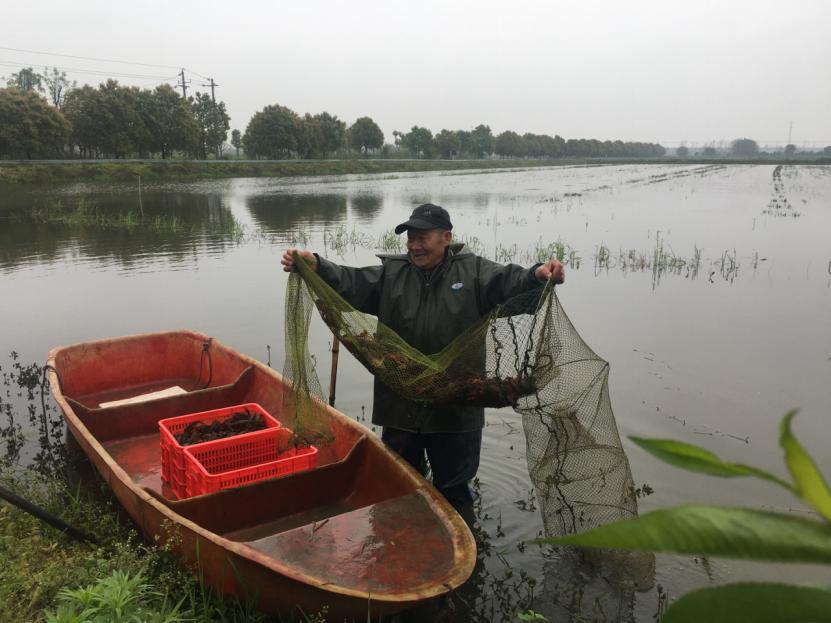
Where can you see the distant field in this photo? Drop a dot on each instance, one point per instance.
(17, 172)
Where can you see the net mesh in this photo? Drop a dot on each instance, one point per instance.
(525, 354)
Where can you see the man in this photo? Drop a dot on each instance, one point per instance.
(430, 296)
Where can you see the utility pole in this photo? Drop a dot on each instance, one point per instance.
(790, 131)
(184, 84)
(211, 84)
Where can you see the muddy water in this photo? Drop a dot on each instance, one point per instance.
(708, 289)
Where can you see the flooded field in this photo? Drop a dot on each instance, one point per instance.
(707, 288)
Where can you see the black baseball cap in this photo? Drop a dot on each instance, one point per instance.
(427, 216)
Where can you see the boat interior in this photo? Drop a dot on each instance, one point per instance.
(343, 488)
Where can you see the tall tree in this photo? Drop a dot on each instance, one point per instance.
(447, 143)
(29, 127)
(26, 79)
(419, 141)
(57, 85)
(170, 122)
(308, 137)
(744, 147)
(83, 109)
(214, 123)
(121, 128)
(482, 140)
(683, 151)
(322, 134)
(465, 142)
(508, 144)
(273, 133)
(236, 140)
(365, 135)
(552, 147)
(332, 133)
(531, 145)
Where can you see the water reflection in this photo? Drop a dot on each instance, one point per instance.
(367, 206)
(46, 227)
(26, 406)
(283, 212)
(574, 585)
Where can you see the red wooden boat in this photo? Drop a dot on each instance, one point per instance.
(360, 531)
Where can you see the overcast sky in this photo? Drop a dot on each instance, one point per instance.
(661, 71)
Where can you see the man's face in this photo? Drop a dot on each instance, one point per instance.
(426, 246)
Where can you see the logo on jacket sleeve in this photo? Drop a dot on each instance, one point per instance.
(457, 286)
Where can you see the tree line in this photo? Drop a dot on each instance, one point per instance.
(43, 114)
(110, 121)
(279, 132)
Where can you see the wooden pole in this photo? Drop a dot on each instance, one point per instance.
(141, 205)
(333, 379)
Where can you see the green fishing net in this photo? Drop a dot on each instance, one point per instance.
(524, 354)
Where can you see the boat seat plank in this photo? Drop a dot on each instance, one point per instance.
(131, 420)
(279, 504)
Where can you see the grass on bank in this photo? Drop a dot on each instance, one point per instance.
(34, 172)
(65, 171)
(45, 576)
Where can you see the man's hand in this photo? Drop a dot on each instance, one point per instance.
(288, 261)
(552, 269)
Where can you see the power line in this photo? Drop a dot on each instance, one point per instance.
(96, 72)
(87, 58)
(196, 73)
(101, 60)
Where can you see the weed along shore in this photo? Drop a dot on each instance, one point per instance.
(158, 170)
(40, 171)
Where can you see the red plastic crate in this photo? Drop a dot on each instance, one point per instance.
(232, 462)
(173, 455)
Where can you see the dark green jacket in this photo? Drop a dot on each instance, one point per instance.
(428, 311)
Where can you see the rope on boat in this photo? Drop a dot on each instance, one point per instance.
(205, 346)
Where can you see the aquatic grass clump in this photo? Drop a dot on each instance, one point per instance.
(301, 235)
(89, 214)
(728, 266)
(659, 261)
(390, 242)
(779, 204)
(85, 213)
(341, 238)
(503, 254)
(559, 250)
(602, 257)
(473, 243)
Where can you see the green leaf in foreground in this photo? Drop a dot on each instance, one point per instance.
(760, 602)
(716, 531)
(810, 484)
(696, 459)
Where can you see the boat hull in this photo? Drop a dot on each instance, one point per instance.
(360, 532)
